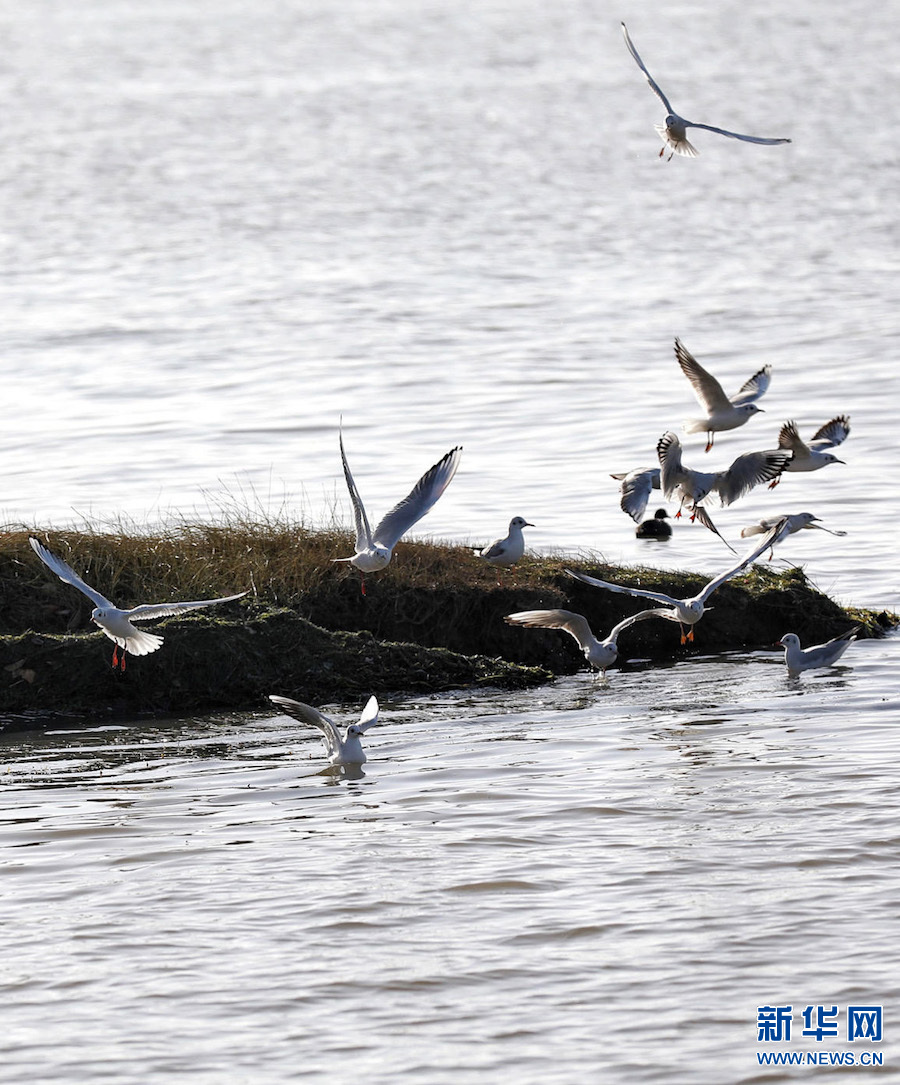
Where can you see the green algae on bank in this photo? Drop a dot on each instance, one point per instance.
(432, 620)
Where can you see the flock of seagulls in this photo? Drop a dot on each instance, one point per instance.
(692, 487)
(676, 481)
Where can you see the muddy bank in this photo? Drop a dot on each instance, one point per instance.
(433, 620)
(212, 664)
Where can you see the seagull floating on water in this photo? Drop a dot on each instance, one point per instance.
(374, 548)
(674, 131)
(722, 412)
(689, 611)
(600, 654)
(655, 528)
(795, 522)
(343, 749)
(115, 623)
(506, 552)
(799, 659)
(815, 455)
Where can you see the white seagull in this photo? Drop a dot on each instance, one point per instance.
(799, 659)
(506, 552)
(635, 490)
(115, 623)
(600, 654)
(815, 455)
(374, 548)
(745, 472)
(674, 131)
(795, 522)
(722, 412)
(689, 611)
(343, 749)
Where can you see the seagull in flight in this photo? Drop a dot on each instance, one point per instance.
(374, 548)
(689, 611)
(674, 131)
(115, 623)
(795, 522)
(600, 654)
(343, 749)
(799, 659)
(635, 491)
(722, 412)
(815, 455)
(747, 471)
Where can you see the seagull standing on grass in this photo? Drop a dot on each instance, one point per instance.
(504, 553)
(600, 654)
(722, 412)
(343, 749)
(799, 659)
(689, 611)
(115, 623)
(674, 131)
(374, 548)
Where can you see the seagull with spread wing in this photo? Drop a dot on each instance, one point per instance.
(374, 548)
(674, 131)
(722, 412)
(635, 490)
(600, 654)
(343, 749)
(115, 623)
(745, 472)
(814, 455)
(689, 611)
(796, 521)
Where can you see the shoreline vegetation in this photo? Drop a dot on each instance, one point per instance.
(431, 621)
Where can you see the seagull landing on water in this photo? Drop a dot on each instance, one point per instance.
(795, 522)
(815, 455)
(374, 548)
(343, 749)
(115, 623)
(722, 412)
(674, 131)
(687, 612)
(600, 654)
(504, 553)
(799, 659)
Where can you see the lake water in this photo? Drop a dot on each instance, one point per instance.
(224, 227)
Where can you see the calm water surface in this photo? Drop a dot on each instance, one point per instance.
(224, 226)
